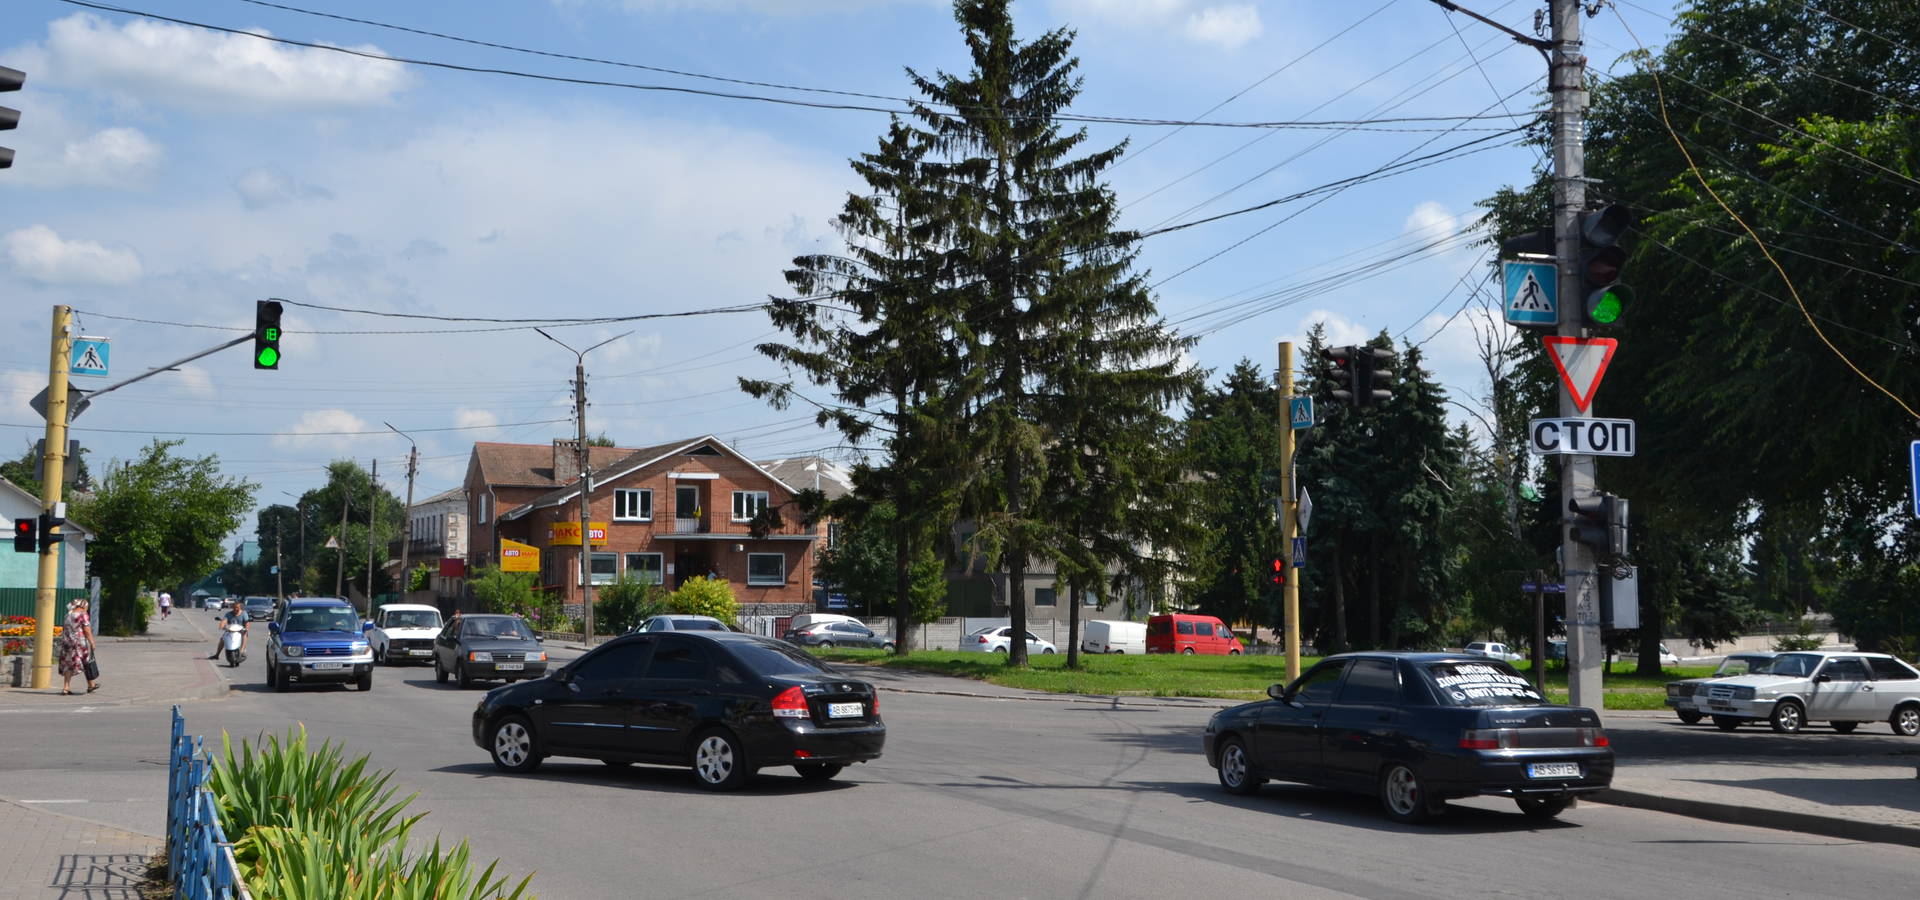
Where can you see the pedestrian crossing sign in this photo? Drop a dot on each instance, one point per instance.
(1300, 412)
(1532, 290)
(89, 356)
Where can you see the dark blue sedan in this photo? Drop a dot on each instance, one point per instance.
(1417, 729)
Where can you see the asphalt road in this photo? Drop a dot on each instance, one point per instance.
(975, 797)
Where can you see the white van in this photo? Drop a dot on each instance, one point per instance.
(1106, 636)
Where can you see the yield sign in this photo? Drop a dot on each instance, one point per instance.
(1582, 363)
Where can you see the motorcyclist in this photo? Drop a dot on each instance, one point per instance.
(236, 615)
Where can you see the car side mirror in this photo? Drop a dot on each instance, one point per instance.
(1277, 692)
(366, 626)
(273, 627)
(1823, 677)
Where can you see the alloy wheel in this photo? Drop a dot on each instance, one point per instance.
(512, 744)
(713, 761)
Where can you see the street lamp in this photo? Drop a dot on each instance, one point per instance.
(586, 483)
(406, 517)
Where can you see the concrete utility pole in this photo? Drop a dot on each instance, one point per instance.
(55, 472)
(373, 516)
(1586, 655)
(586, 474)
(1289, 514)
(279, 564)
(406, 519)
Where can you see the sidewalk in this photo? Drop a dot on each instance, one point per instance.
(49, 856)
(166, 665)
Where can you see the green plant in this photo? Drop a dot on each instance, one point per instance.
(511, 593)
(703, 596)
(1804, 638)
(420, 578)
(624, 603)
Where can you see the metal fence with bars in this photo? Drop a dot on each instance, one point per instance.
(199, 858)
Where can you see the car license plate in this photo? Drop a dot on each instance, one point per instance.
(1719, 708)
(843, 710)
(1553, 770)
(421, 652)
(508, 667)
(330, 665)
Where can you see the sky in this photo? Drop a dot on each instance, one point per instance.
(168, 176)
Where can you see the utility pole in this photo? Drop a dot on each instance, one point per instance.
(279, 565)
(406, 518)
(55, 471)
(586, 475)
(1586, 655)
(1289, 515)
(373, 516)
(340, 548)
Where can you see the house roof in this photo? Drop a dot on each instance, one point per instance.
(633, 461)
(835, 480)
(531, 465)
(21, 493)
(449, 494)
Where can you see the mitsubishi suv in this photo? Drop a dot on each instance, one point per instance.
(318, 640)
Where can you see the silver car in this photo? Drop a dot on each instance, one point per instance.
(1685, 695)
(1841, 689)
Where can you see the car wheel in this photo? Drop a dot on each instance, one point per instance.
(439, 673)
(1543, 807)
(999, 649)
(719, 763)
(1906, 721)
(513, 747)
(818, 771)
(272, 674)
(1187, 652)
(1689, 716)
(1404, 796)
(1844, 727)
(1726, 723)
(1046, 651)
(460, 673)
(826, 645)
(1788, 717)
(888, 646)
(365, 681)
(278, 678)
(1236, 774)
(1233, 653)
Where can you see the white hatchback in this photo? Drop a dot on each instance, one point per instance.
(998, 638)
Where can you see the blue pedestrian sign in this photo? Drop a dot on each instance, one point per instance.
(89, 356)
(1532, 292)
(1300, 412)
(1299, 553)
(1913, 470)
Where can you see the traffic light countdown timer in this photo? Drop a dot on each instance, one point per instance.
(266, 334)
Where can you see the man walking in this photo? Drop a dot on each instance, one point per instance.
(166, 604)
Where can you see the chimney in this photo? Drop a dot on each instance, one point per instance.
(566, 460)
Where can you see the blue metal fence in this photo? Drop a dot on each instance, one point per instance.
(199, 858)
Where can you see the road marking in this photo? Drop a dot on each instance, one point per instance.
(52, 801)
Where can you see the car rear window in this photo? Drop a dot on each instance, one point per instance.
(1160, 626)
(1886, 669)
(768, 659)
(697, 625)
(1482, 684)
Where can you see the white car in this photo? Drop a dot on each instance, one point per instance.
(1841, 689)
(404, 632)
(996, 639)
(1492, 650)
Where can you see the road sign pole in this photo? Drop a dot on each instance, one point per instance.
(44, 611)
(1566, 81)
(1289, 592)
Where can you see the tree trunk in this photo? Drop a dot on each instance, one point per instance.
(1650, 628)
(902, 551)
(1339, 595)
(1073, 623)
(1373, 591)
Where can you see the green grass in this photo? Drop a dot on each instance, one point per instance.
(1230, 677)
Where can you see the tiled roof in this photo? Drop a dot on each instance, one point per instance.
(448, 494)
(531, 465)
(630, 460)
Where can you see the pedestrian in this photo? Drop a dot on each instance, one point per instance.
(76, 648)
(166, 604)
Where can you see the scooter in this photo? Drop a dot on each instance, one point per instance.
(230, 642)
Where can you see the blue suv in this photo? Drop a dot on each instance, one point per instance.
(318, 639)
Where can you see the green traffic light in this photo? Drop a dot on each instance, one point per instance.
(269, 357)
(1607, 309)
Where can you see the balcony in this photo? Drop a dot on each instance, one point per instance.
(690, 526)
(418, 547)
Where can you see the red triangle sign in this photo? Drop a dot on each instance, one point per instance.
(1582, 363)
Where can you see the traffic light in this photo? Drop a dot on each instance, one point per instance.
(266, 334)
(1346, 378)
(1600, 522)
(26, 536)
(1374, 372)
(1601, 259)
(10, 80)
(1277, 570)
(48, 537)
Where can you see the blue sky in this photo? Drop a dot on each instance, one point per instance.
(173, 174)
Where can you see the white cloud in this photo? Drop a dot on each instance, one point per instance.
(1432, 218)
(1340, 330)
(196, 381)
(474, 418)
(1227, 26)
(176, 65)
(62, 151)
(782, 7)
(111, 157)
(39, 253)
(321, 428)
(17, 386)
(262, 188)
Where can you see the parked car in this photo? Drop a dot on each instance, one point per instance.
(803, 620)
(1415, 729)
(1683, 696)
(1493, 650)
(404, 632)
(317, 640)
(724, 703)
(837, 634)
(999, 638)
(1190, 634)
(679, 622)
(476, 647)
(1107, 636)
(261, 609)
(1841, 689)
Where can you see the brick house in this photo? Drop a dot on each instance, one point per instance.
(661, 514)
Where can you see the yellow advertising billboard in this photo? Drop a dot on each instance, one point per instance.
(567, 534)
(518, 557)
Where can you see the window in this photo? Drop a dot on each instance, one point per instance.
(483, 509)
(1316, 687)
(1371, 682)
(1043, 597)
(678, 658)
(645, 568)
(833, 534)
(604, 567)
(1204, 629)
(747, 504)
(766, 568)
(613, 663)
(1185, 628)
(686, 501)
(1885, 669)
(1483, 683)
(1845, 669)
(633, 506)
(1090, 598)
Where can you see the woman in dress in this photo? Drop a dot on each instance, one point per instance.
(76, 647)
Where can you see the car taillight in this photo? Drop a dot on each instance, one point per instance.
(790, 704)
(1489, 739)
(983, 639)
(1592, 737)
(876, 704)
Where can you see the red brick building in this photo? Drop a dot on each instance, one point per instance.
(661, 514)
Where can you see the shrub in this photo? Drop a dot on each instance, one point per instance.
(624, 603)
(511, 593)
(1804, 638)
(420, 578)
(703, 596)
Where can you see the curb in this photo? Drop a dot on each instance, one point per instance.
(1065, 698)
(1757, 817)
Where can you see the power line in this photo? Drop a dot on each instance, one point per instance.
(288, 433)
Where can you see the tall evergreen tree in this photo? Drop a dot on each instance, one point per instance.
(1232, 447)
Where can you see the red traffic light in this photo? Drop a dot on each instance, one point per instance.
(1277, 570)
(26, 535)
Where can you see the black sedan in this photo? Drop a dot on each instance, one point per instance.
(1417, 729)
(475, 647)
(725, 703)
